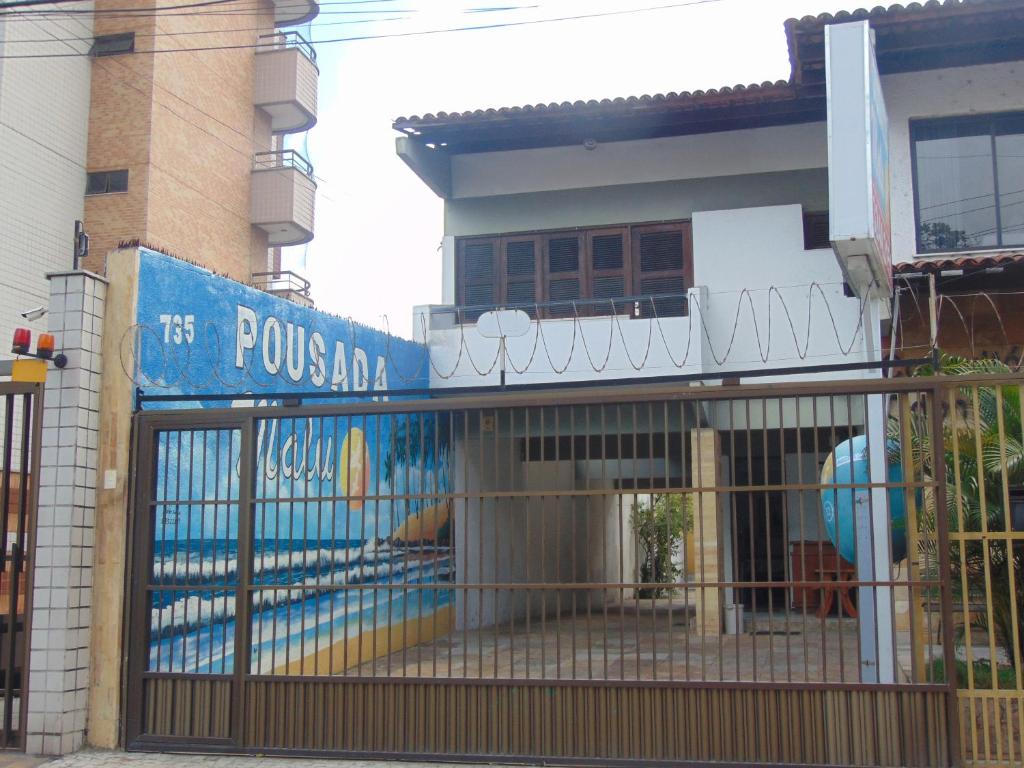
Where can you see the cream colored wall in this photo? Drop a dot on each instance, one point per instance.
(185, 126)
(107, 652)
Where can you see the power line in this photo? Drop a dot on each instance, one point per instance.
(417, 33)
(24, 135)
(246, 153)
(238, 9)
(158, 9)
(200, 31)
(97, 11)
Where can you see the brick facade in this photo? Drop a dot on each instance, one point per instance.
(185, 127)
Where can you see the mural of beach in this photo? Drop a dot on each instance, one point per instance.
(305, 625)
(347, 523)
(335, 580)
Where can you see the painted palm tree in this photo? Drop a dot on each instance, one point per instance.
(422, 443)
(984, 457)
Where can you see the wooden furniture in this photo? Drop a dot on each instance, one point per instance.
(807, 558)
(844, 574)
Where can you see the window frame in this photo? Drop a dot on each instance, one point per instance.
(461, 283)
(504, 279)
(989, 120)
(106, 182)
(636, 234)
(102, 45)
(585, 271)
(579, 274)
(593, 273)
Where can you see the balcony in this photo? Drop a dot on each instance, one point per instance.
(293, 12)
(283, 197)
(631, 337)
(286, 81)
(286, 284)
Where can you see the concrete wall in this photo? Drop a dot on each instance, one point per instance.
(557, 539)
(740, 256)
(772, 304)
(614, 347)
(733, 153)
(44, 109)
(614, 203)
(514, 540)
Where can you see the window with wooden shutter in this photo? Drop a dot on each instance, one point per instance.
(478, 275)
(596, 268)
(522, 262)
(564, 271)
(609, 278)
(816, 230)
(662, 268)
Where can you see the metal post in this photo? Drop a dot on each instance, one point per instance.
(945, 570)
(872, 529)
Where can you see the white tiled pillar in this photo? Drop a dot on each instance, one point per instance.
(61, 601)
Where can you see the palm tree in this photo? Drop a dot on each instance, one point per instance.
(970, 421)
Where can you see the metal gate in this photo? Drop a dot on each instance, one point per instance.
(20, 432)
(755, 574)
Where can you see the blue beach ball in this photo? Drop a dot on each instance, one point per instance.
(838, 505)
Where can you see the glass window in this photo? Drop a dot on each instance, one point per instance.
(583, 272)
(969, 183)
(105, 182)
(112, 45)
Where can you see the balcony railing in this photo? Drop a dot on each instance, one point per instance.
(293, 12)
(283, 197)
(288, 39)
(284, 283)
(283, 158)
(646, 306)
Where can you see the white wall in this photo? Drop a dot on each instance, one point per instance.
(732, 153)
(562, 350)
(772, 304)
(44, 121)
(739, 255)
(520, 540)
(938, 93)
(803, 510)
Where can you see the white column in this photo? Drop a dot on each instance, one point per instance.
(61, 600)
(874, 556)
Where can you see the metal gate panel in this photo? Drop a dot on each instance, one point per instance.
(480, 578)
(20, 437)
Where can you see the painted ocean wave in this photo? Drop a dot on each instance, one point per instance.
(195, 611)
(285, 631)
(217, 562)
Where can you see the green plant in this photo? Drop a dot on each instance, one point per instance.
(983, 425)
(659, 526)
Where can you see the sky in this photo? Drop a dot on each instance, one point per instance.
(376, 253)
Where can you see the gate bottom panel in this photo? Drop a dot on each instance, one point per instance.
(796, 726)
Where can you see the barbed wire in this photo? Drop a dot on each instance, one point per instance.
(151, 361)
(206, 363)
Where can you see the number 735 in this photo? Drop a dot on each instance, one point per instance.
(178, 328)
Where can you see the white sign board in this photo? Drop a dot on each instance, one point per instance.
(858, 160)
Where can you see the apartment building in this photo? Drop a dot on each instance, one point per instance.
(153, 123)
(143, 121)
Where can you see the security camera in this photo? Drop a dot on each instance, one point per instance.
(34, 314)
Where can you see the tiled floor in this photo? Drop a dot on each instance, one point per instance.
(631, 645)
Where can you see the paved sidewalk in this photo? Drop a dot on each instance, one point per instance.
(103, 759)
